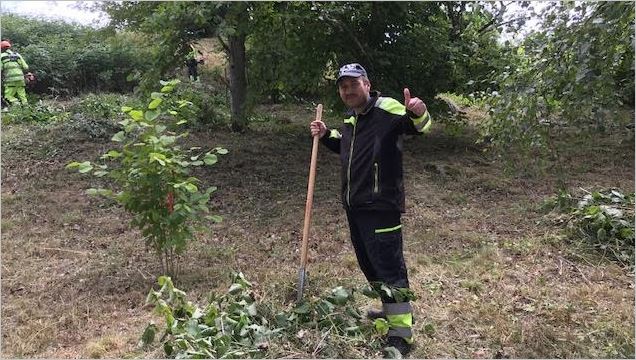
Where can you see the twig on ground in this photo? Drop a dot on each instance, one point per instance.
(577, 268)
(313, 354)
(66, 250)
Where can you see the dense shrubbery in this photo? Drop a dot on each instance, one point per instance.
(572, 73)
(68, 59)
(39, 112)
(209, 106)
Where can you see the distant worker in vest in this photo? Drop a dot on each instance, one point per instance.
(195, 57)
(13, 68)
(370, 146)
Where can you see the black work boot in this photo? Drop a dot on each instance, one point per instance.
(399, 344)
(376, 314)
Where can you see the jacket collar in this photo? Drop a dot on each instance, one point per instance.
(374, 95)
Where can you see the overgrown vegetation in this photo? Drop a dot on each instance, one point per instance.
(569, 76)
(68, 59)
(40, 112)
(152, 174)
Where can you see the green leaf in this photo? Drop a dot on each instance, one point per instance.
(72, 165)
(167, 89)
(368, 291)
(148, 337)
(221, 150)
(180, 121)
(197, 163)
(154, 104)
(429, 329)
(216, 218)
(100, 191)
(601, 234)
(167, 140)
(126, 109)
(119, 137)
(151, 115)
(626, 233)
(136, 115)
(191, 187)
(160, 128)
(168, 348)
(85, 167)
(235, 289)
(100, 173)
(302, 309)
(111, 154)
(325, 308)
(339, 296)
(210, 159)
(192, 328)
(158, 157)
(156, 95)
(392, 353)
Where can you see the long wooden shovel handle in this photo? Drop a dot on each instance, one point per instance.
(310, 192)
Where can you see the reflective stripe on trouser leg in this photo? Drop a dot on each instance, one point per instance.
(400, 319)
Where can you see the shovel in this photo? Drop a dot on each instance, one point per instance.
(302, 273)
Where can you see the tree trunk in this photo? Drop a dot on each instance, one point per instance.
(238, 81)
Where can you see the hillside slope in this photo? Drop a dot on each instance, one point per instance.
(495, 279)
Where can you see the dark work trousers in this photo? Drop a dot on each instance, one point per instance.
(377, 240)
(192, 69)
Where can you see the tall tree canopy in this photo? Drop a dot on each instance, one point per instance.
(294, 48)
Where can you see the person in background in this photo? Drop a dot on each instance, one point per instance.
(13, 68)
(370, 146)
(194, 58)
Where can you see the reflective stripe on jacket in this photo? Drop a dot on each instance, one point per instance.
(13, 66)
(370, 148)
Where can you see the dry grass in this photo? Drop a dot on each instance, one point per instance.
(494, 279)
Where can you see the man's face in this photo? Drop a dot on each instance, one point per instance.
(354, 92)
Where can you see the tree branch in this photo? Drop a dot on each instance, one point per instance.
(223, 44)
(494, 19)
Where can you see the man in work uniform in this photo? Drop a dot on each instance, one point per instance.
(13, 67)
(370, 148)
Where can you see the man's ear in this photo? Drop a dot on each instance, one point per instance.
(366, 82)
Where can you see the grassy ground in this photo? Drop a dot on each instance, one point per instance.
(495, 278)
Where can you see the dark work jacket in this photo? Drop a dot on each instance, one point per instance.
(370, 148)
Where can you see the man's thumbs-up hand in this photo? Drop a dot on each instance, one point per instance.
(414, 105)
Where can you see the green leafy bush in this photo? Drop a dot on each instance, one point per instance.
(69, 58)
(39, 112)
(99, 106)
(571, 74)
(209, 106)
(152, 173)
